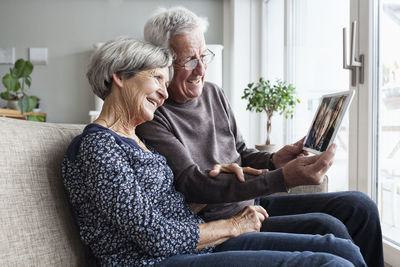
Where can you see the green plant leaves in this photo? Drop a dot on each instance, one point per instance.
(279, 97)
(15, 81)
(39, 118)
(6, 95)
(264, 97)
(23, 68)
(28, 81)
(10, 81)
(27, 103)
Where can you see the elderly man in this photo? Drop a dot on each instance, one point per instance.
(197, 132)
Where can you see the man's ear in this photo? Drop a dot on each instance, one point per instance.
(117, 80)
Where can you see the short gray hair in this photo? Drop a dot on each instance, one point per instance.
(165, 23)
(124, 57)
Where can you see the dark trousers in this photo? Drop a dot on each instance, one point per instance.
(351, 215)
(276, 249)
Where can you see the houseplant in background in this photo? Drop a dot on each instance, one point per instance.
(15, 83)
(262, 96)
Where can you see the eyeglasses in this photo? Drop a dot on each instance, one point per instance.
(191, 64)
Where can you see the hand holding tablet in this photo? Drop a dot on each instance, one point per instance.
(308, 170)
(327, 121)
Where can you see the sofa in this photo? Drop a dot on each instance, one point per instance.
(37, 226)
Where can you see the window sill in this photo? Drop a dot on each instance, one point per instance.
(391, 253)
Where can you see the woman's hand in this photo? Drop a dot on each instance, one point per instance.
(235, 168)
(216, 232)
(249, 220)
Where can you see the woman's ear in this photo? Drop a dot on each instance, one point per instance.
(117, 80)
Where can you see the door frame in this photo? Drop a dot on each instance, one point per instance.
(363, 111)
(363, 169)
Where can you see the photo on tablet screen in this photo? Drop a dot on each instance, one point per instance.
(327, 120)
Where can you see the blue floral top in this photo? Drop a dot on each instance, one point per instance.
(124, 201)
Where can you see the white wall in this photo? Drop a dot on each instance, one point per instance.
(69, 28)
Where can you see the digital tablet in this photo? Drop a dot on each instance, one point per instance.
(327, 120)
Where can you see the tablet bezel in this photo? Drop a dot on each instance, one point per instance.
(349, 96)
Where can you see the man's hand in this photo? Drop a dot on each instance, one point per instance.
(288, 153)
(308, 170)
(235, 168)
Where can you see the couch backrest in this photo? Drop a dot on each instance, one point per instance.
(36, 224)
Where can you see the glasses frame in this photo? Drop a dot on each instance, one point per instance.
(186, 64)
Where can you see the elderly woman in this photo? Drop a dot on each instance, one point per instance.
(122, 192)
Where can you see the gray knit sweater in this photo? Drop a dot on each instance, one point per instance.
(199, 133)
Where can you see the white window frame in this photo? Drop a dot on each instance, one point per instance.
(368, 113)
(362, 141)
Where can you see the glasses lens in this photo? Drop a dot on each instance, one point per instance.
(191, 64)
(207, 58)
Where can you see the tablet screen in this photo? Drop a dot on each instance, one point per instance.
(327, 121)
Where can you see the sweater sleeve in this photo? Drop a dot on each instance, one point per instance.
(250, 157)
(196, 184)
(114, 185)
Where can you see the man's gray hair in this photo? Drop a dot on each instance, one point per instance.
(124, 57)
(165, 23)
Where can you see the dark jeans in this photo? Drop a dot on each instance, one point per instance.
(276, 249)
(352, 215)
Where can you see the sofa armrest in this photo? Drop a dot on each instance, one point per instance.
(309, 189)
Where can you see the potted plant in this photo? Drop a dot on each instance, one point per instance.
(265, 97)
(15, 83)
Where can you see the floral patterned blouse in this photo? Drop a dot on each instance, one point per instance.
(124, 201)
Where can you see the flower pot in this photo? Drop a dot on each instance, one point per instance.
(12, 104)
(269, 148)
(37, 108)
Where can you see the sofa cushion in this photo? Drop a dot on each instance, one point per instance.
(37, 227)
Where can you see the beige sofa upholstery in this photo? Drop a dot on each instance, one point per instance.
(309, 189)
(37, 228)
